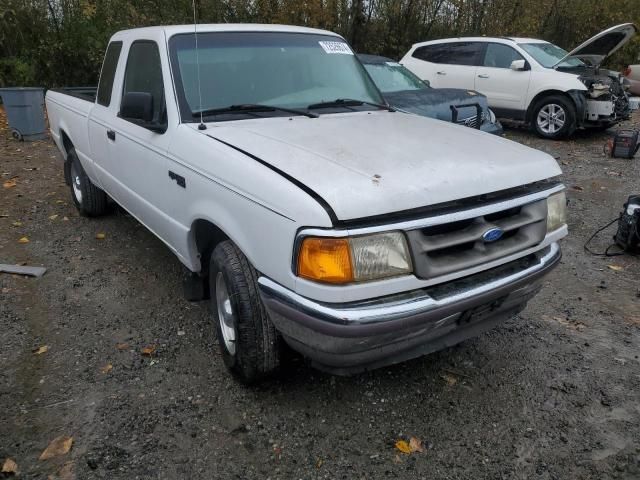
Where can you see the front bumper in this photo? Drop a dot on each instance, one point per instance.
(358, 336)
(492, 127)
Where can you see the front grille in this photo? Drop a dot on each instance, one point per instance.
(452, 247)
(469, 121)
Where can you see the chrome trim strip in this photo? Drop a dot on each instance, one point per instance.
(437, 219)
(400, 306)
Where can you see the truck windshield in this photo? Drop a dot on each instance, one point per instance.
(393, 77)
(548, 55)
(290, 70)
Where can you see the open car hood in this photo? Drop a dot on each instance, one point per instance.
(595, 50)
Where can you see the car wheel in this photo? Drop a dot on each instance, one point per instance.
(90, 200)
(554, 117)
(249, 342)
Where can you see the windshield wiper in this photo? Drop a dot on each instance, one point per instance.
(348, 102)
(251, 108)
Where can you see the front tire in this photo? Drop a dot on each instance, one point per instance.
(249, 343)
(554, 117)
(90, 200)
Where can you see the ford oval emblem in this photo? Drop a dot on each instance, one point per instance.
(492, 235)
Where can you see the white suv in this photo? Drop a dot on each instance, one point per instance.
(532, 81)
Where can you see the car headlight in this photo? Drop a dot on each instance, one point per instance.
(354, 259)
(492, 116)
(556, 211)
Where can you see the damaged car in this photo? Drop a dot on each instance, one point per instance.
(532, 81)
(406, 92)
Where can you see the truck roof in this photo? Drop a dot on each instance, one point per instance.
(170, 30)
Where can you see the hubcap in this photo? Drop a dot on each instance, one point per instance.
(225, 314)
(76, 183)
(551, 118)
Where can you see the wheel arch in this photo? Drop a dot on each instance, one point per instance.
(547, 93)
(205, 235)
(67, 145)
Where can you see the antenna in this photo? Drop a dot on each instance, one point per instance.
(202, 126)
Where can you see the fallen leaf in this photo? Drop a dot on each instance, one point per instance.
(319, 463)
(9, 466)
(66, 472)
(577, 188)
(397, 459)
(41, 350)
(449, 378)
(53, 217)
(58, 446)
(122, 346)
(59, 201)
(100, 236)
(107, 368)
(10, 183)
(24, 240)
(149, 351)
(616, 268)
(17, 224)
(415, 444)
(403, 446)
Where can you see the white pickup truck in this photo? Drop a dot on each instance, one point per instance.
(311, 213)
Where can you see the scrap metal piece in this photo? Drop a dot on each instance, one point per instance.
(23, 270)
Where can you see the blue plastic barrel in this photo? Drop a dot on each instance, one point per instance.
(25, 112)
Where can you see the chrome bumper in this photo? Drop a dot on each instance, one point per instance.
(346, 338)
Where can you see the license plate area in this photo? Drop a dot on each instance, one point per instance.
(480, 312)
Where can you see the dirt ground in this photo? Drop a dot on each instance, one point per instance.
(551, 394)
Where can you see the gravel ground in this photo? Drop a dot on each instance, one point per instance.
(551, 394)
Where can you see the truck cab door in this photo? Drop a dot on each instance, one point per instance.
(136, 167)
(505, 87)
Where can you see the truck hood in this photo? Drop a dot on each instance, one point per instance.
(437, 102)
(373, 163)
(595, 50)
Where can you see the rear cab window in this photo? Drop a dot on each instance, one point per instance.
(108, 73)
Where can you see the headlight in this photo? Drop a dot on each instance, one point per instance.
(556, 211)
(354, 259)
(492, 116)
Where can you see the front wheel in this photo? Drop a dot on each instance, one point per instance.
(554, 117)
(249, 342)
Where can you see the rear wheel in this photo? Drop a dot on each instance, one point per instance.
(90, 200)
(249, 342)
(554, 117)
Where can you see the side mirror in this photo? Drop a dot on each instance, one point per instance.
(427, 83)
(518, 65)
(137, 106)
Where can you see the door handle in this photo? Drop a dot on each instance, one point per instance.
(111, 135)
(483, 76)
(179, 179)
(441, 72)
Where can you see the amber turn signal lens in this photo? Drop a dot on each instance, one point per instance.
(325, 260)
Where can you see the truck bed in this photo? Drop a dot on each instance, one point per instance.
(68, 111)
(84, 93)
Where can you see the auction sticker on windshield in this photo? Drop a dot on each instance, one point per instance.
(336, 47)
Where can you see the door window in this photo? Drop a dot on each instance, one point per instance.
(432, 53)
(144, 74)
(105, 86)
(464, 53)
(500, 56)
(453, 53)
